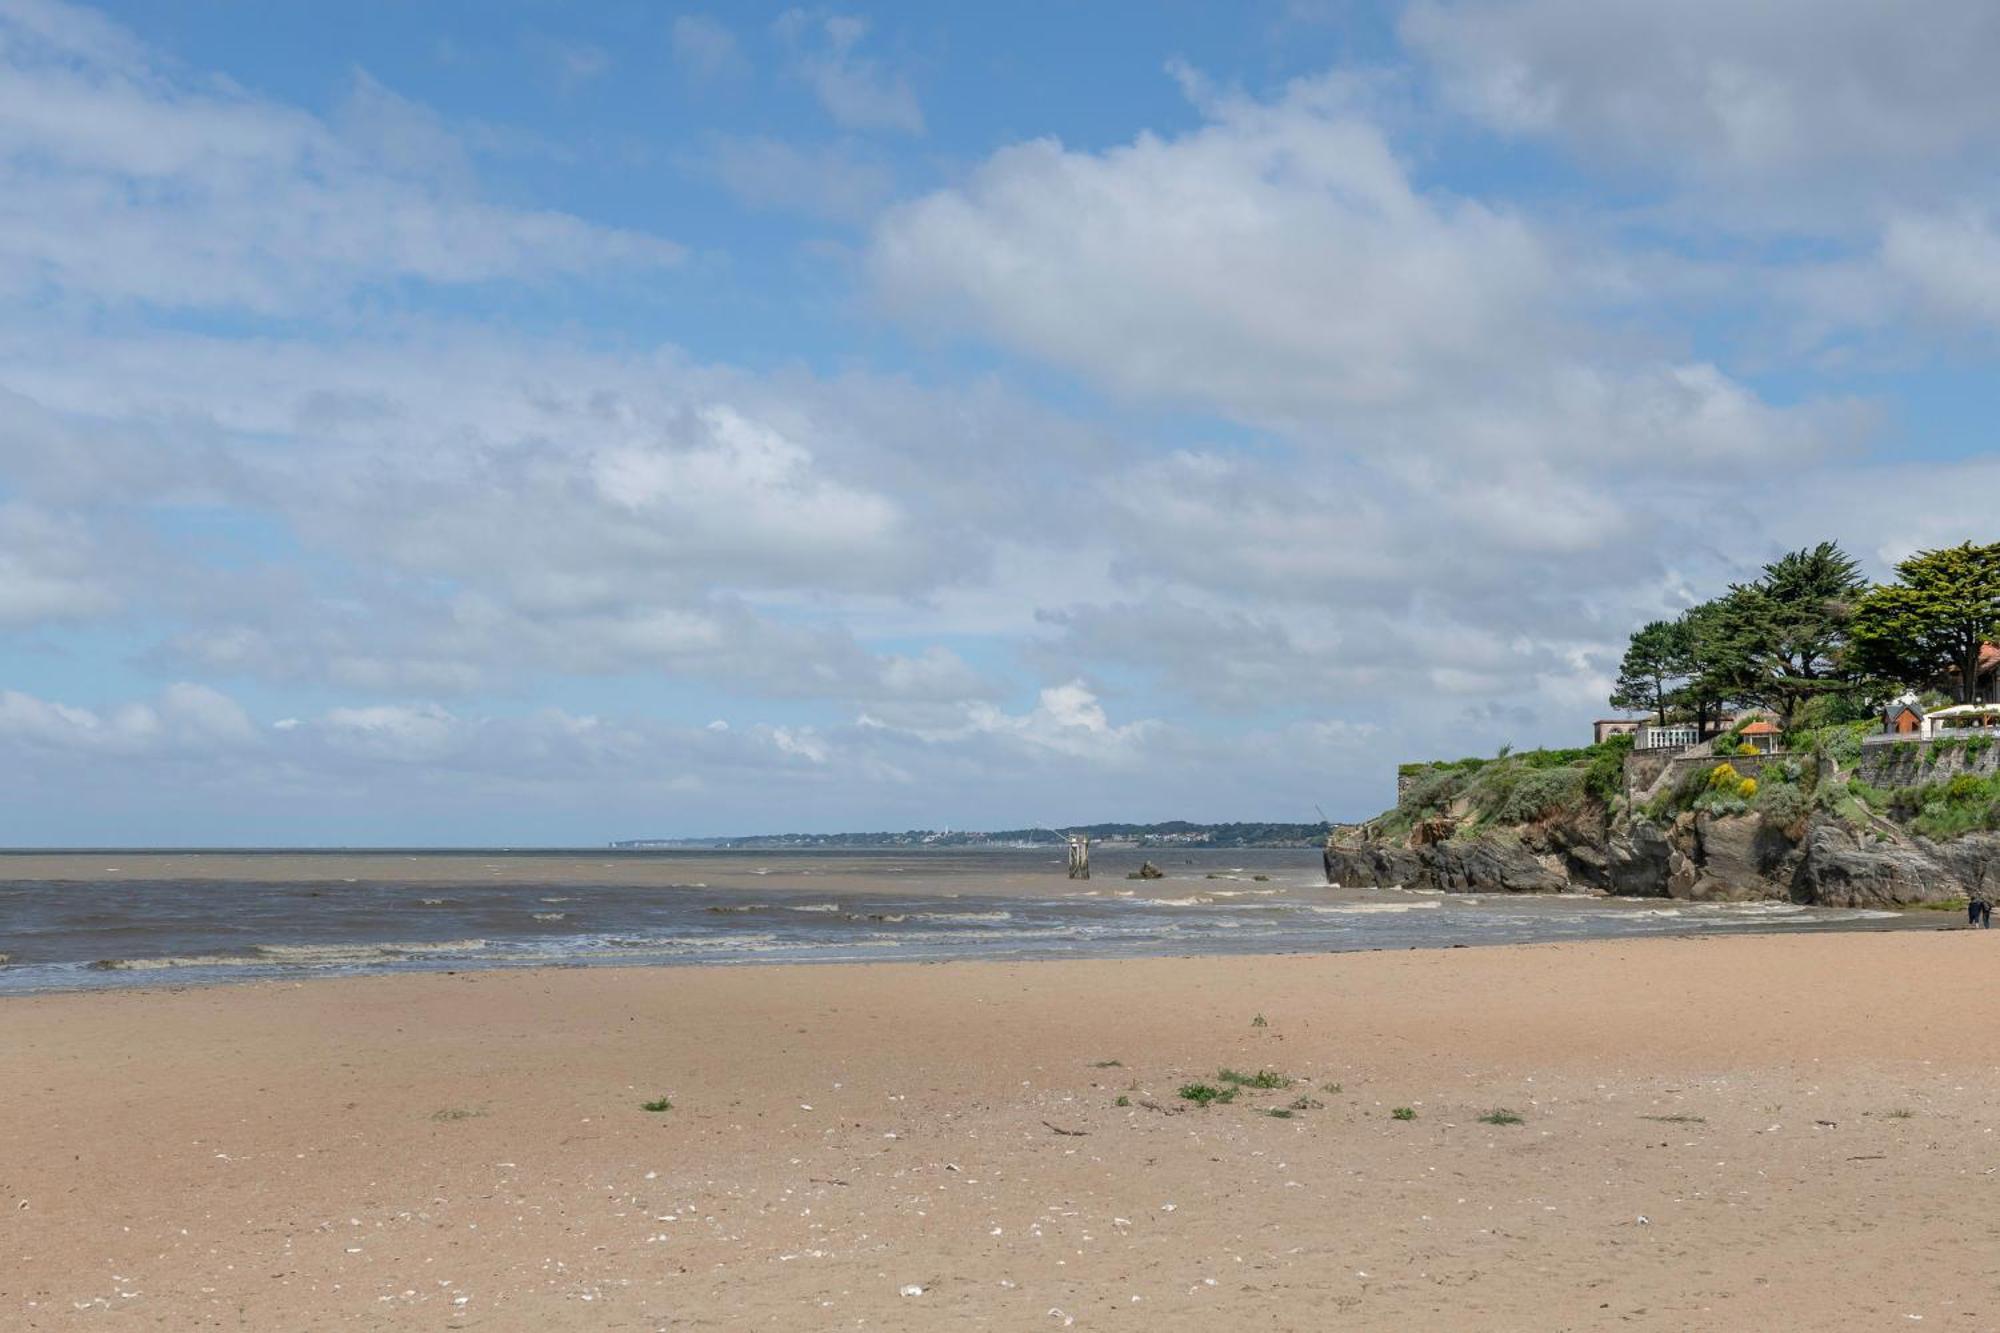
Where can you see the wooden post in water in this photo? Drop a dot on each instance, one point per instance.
(1079, 856)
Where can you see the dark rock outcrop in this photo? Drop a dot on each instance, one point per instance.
(1555, 859)
(1699, 856)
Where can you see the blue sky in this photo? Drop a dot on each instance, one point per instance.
(545, 424)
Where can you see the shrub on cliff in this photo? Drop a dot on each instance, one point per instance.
(1784, 804)
(1518, 788)
(1604, 774)
(1521, 795)
(1967, 803)
(1434, 791)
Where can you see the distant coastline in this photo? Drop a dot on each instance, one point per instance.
(1171, 833)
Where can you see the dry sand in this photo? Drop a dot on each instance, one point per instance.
(1755, 1133)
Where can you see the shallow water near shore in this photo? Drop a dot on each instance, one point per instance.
(117, 919)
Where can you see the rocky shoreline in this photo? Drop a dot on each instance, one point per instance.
(1698, 856)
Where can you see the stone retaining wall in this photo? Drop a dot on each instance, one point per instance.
(1916, 761)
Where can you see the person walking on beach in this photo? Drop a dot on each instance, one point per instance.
(1978, 910)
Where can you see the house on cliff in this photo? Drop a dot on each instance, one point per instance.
(1604, 728)
(1903, 717)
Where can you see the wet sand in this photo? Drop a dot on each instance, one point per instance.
(1769, 1132)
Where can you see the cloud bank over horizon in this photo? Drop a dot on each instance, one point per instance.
(775, 419)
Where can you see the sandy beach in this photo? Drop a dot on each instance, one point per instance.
(1761, 1132)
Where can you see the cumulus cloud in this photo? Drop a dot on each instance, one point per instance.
(184, 720)
(1275, 262)
(1281, 265)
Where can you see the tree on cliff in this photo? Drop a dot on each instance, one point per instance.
(1782, 638)
(1713, 667)
(1658, 660)
(1933, 620)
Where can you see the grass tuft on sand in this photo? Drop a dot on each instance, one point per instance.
(1262, 1079)
(1205, 1094)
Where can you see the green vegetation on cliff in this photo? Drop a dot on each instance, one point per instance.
(1524, 788)
(1952, 808)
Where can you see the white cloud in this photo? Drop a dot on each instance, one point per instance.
(1722, 88)
(51, 568)
(1274, 262)
(397, 732)
(1950, 265)
(856, 90)
(123, 181)
(1281, 266)
(184, 719)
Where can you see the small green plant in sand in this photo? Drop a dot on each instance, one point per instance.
(1331, 1089)
(1262, 1079)
(1278, 1113)
(1901, 1113)
(1403, 1113)
(1306, 1104)
(1260, 1022)
(657, 1104)
(1123, 1100)
(1679, 1118)
(456, 1113)
(1500, 1116)
(1203, 1094)
(1107, 1064)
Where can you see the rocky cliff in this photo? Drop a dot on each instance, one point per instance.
(1697, 855)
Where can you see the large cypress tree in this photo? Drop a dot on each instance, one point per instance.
(1655, 665)
(1782, 638)
(1932, 621)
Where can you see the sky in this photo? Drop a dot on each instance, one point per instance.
(534, 424)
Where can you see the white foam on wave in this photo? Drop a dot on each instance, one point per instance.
(299, 955)
(1372, 909)
(815, 907)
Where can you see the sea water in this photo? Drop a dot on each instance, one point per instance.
(292, 915)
